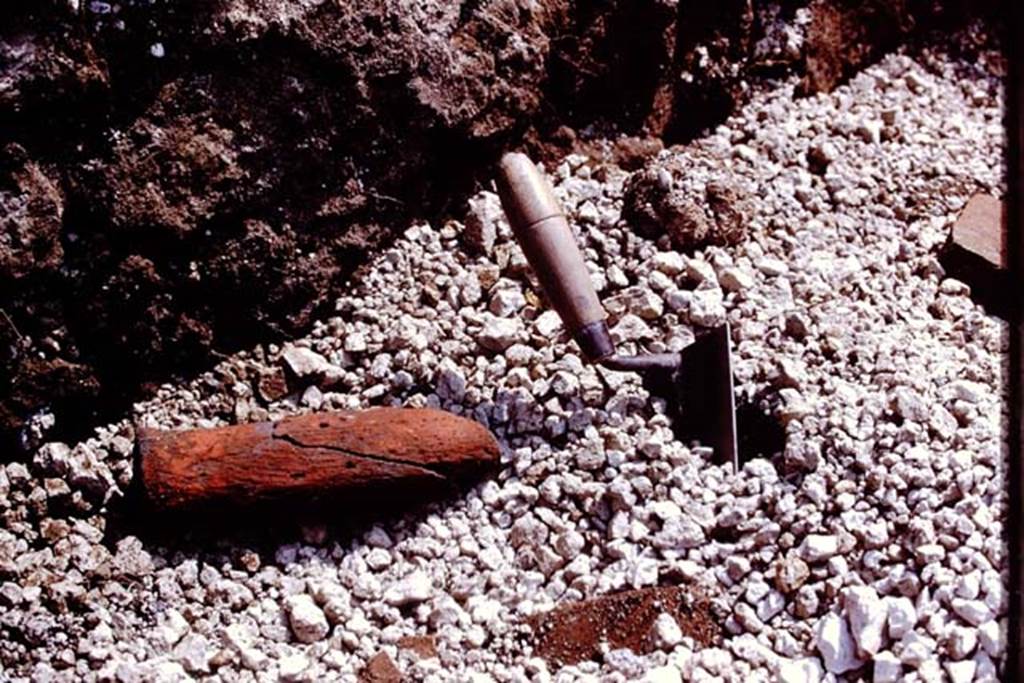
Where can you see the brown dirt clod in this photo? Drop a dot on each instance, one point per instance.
(653, 206)
(425, 647)
(380, 669)
(575, 632)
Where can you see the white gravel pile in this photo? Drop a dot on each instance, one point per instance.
(872, 544)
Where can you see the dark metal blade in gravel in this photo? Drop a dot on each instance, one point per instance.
(705, 391)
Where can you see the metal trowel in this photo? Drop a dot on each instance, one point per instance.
(697, 381)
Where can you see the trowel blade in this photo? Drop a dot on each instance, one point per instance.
(704, 387)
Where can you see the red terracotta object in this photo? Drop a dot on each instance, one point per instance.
(975, 253)
(309, 456)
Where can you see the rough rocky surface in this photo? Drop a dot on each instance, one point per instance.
(866, 543)
(844, 35)
(185, 179)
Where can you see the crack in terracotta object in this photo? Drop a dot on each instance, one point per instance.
(367, 456)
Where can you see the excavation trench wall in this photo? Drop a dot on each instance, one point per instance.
(182, 179)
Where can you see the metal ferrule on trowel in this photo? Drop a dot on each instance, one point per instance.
(698, 379)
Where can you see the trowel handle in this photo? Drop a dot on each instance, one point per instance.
(545, 237)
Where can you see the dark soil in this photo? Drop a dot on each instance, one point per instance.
(577, 631)
(181, 179)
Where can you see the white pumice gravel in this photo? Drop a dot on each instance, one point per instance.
(307, 620)
(871, 544)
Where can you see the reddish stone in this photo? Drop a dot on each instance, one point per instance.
(981, 230)
(424, 647)
(380, 669)
(976, 253)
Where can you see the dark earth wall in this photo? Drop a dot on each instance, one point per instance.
(182, 179)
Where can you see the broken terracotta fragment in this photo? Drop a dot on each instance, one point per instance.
(312, 456)
(976, 252)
